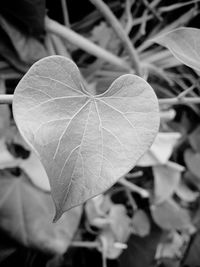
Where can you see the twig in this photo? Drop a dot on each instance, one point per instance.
(182, 100)
(65, 13)
(95, 244)
(152, 10)
(117, 27)
(83, 43)
(6, 99)
(144, 193)
(187, 91)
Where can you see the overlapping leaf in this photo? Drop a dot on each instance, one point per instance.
(85, 142)
(184, 43)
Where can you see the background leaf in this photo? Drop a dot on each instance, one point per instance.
(166, 180)
(26, 214)
(85, 142)
(170, 216)
(184, 43)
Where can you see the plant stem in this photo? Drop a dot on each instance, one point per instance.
(65, 13)
(6, 99)
(117, 27)
(144, 193)
(83, 43)
(176, 100)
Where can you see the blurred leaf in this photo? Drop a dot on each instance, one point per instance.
(4, 111)
(160, 151)
(36, 172)
(184, 43)
(141, 251)
(26, 214)
(6, 158)
(185, 193)
(118, 229)
(97, 210)
(82, 139)
(192, 258)
(20, 50)
(194, 139)
(170, 216)
(171, 248)
(26, 15)
(166, 180)
(192, 161)
(140, 223)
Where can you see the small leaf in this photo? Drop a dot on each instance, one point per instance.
(160, 151)
(141, 224)
(192, 161)
(166, 180)
(194, 139)
(117, 230)
(184, 43)
(85, 142)
(185, 193)
(170, 216)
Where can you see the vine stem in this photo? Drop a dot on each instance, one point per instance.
(179, 100)
(7, 99)
(120, 32)
(83, 43)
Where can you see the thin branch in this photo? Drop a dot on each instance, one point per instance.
(182, 100)
(117, 27)
(6, 99)
(65, 13)
(144, 193)
(83, 43)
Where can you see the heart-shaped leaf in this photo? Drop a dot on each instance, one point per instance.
(85, 142)
(184, 43)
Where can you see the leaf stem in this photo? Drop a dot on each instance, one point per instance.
(117, 27)
(83, 43)
(177, 100)
(65, 13)
(6, 99)
(144, 193)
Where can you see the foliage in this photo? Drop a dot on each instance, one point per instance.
(150, 217)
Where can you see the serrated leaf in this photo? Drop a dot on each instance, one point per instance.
(170, 216)
(85, 142)
(166, 180)
(184, 43)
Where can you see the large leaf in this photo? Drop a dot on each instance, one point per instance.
(26, 215)
(184, 43)
(85, 142)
